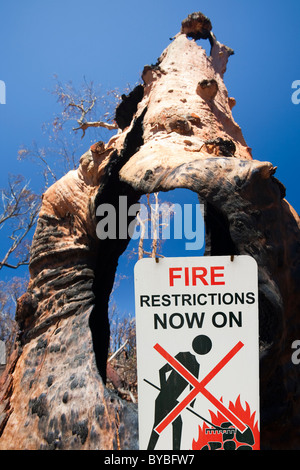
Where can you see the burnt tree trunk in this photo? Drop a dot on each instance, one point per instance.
(176, 130)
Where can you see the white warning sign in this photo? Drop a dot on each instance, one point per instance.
(197, 353)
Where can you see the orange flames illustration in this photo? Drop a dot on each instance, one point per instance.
(224, 436)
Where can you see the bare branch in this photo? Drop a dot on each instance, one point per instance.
(80, 110)
(10, 291)
(118, 351)
(20, 208)
(81, 105)
(85, 125)
(41, 155)
(153, 216)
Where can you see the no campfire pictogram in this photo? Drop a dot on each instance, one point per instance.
(197, 353)
(199, 387)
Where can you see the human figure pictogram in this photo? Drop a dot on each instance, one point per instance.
(171, 387)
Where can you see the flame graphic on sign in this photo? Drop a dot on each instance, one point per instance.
(224, 436)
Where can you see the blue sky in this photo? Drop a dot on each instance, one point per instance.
(110, 42)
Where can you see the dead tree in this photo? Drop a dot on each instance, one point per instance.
(175, 130)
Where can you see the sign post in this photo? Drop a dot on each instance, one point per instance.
(197, 353)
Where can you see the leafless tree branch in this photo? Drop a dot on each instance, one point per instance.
(85, 125)
(82, 105)
(20, 208)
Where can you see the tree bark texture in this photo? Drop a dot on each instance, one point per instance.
(175, 130)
